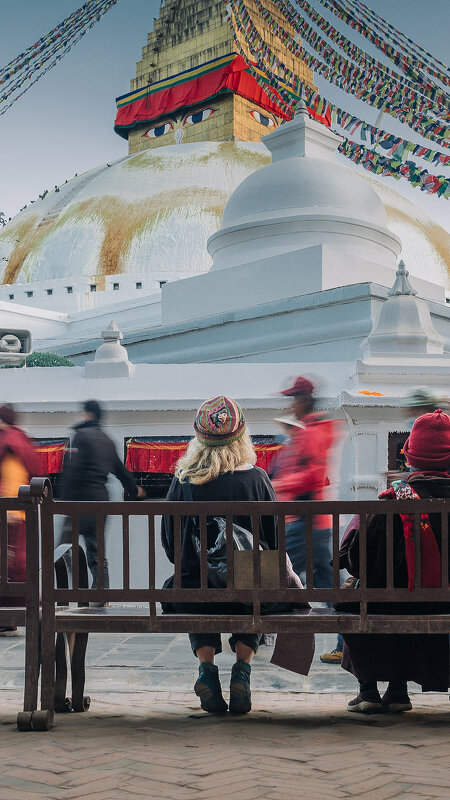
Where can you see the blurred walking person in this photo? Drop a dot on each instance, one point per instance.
(91, 458)
(301, 474)
(17, 467)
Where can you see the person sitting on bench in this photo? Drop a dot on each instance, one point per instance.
(219, 464)
(398, 658)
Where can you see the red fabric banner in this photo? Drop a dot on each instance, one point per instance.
(265, 453)
(154, 456)
(162, 456)
(50, 458)
(176, 93)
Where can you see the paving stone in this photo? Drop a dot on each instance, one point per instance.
(157, 745)
(430, 790)
(392, 789)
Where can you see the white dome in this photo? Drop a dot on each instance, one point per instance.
(151, 214)
(307, 184)
(303, 199)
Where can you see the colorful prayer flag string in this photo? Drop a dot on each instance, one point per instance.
(268, 69)
(55, 45)
(408, 65)
(376, 93)
(428, 62)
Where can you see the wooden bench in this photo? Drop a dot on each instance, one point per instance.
(250, 580)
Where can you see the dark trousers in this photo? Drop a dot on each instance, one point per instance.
(198, 640)
(88, 530)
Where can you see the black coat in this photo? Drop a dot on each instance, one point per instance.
(423, 658)
(252, 484)
(91, 458)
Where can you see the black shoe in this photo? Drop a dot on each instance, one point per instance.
(396, 702)
(8, 631)
(366, 704)
(240, 695)
(207, 687)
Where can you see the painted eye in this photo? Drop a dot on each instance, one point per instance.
(198, 116)
(266, 121)
(158, 130)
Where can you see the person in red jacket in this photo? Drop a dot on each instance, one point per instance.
(17, 467)
(301, 474)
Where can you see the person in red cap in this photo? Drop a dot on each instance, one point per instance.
(17, 467)
(301, 474)
(409, 657)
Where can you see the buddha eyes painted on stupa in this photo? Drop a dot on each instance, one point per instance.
(177, 121)
(198, 116)
(267, 121)
(159, 130)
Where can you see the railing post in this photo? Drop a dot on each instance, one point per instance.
(32, 608)
(418, 551)
(389, 550)
(151, 569)
(363, 569)
(444, 549)
(48, 604)
(256, 574)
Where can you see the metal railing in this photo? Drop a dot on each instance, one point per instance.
(266, 574)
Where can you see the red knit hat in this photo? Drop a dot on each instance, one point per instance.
(428, 445)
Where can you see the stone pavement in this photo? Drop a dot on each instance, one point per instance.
(160, 745)
(162, 662)
(146, 737)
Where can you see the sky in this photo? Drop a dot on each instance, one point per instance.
(64, 124)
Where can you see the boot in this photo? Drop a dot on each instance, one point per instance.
(207, 687)
(240, 695)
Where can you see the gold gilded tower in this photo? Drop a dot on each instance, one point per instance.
(187, 35)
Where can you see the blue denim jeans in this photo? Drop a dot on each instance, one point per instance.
(322, 555)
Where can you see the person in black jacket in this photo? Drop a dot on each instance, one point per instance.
(219, 465)
(91, 458)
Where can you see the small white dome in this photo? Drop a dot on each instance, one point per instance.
(303, 199)
(308, 184)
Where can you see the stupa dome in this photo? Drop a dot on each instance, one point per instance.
(303, 184)
(301, 199)
(150, 215)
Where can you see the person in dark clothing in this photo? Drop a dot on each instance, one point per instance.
(91, 458)
(423, 658)
(219, 465)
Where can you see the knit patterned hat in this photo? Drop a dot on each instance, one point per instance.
(428, 445)
(219, 421)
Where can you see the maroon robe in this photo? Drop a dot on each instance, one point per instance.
(422, 658)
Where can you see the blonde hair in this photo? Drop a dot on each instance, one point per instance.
(202, 463)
